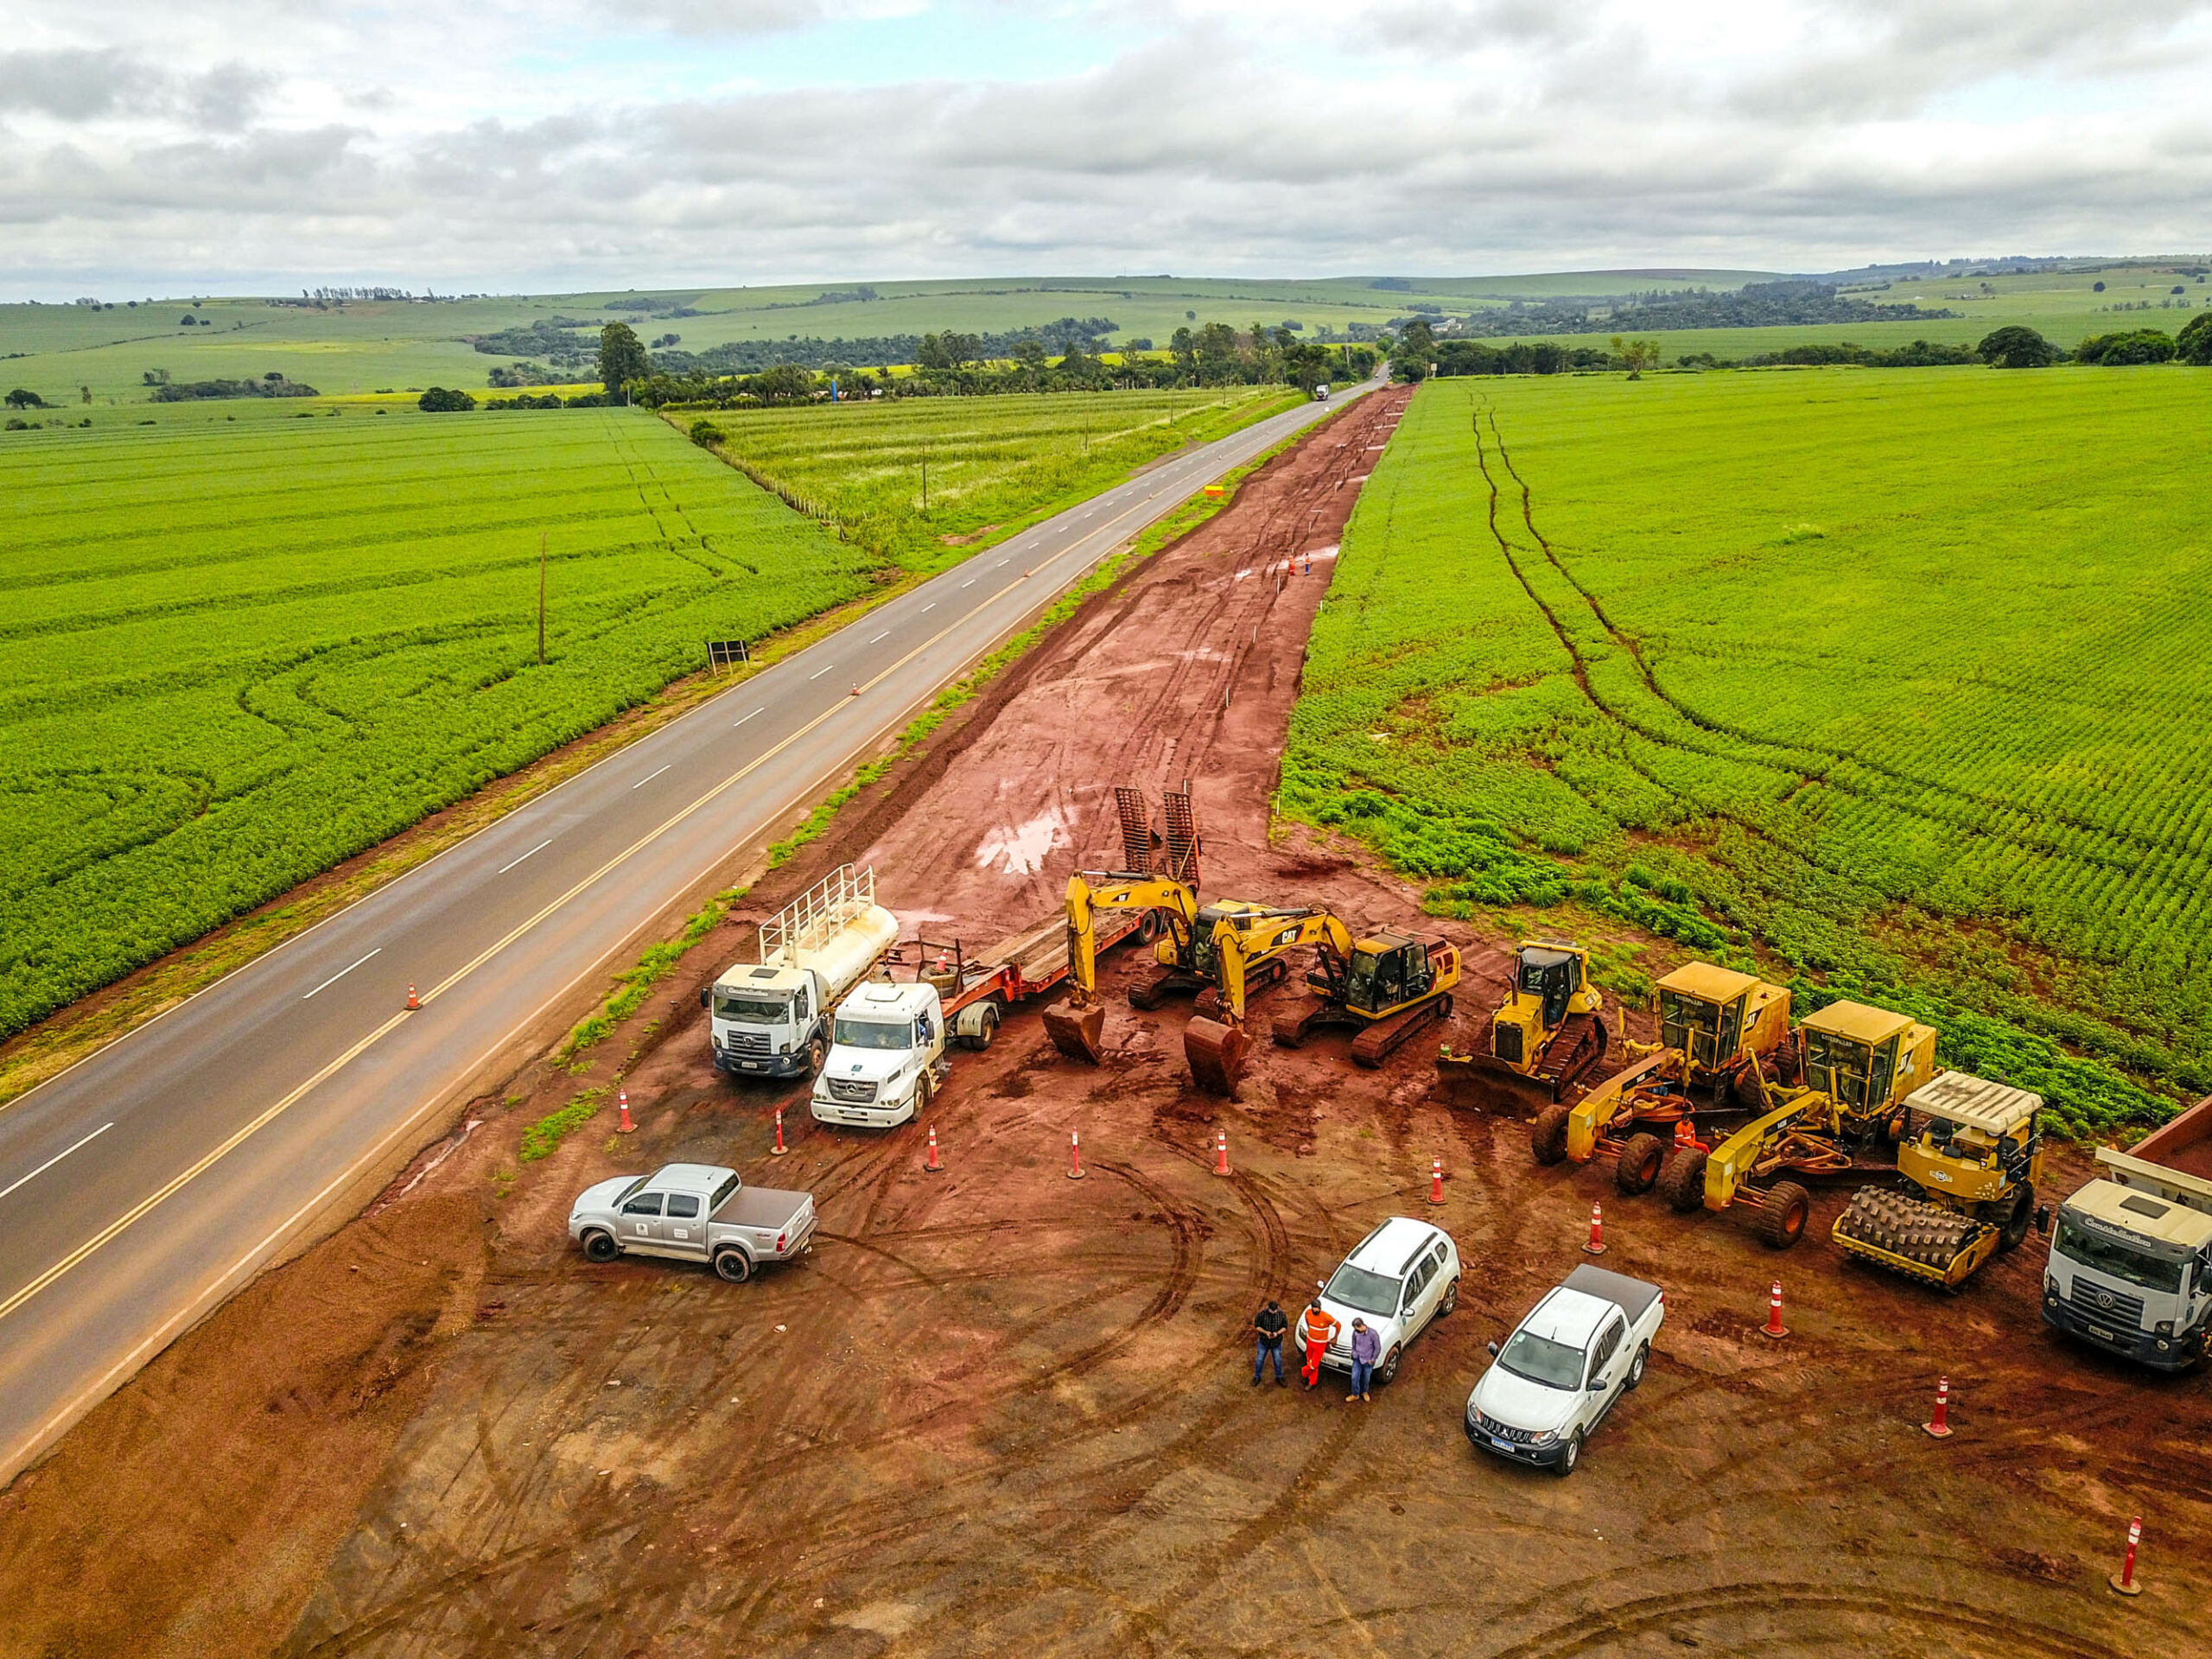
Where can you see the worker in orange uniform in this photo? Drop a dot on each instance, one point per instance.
(1316, 1328)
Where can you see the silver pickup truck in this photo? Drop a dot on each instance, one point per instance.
(1570, 1362)
(693, 1212)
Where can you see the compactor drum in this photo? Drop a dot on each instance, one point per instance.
(1971, 1155)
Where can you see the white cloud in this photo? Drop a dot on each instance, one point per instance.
(507, 145)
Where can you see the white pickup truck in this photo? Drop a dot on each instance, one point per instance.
(886, 1056)
(693, 1212)
(1581, 1348)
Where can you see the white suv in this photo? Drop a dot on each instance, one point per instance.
(1400, 1277)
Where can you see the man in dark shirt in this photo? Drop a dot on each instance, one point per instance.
(1270, 1322)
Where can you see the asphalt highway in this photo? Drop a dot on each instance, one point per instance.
(144, 1186)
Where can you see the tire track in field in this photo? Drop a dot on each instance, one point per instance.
(1632, 648)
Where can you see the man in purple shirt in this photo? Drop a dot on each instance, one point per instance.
(1366, 1349)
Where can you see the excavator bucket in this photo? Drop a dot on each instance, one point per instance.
(1079, 1034)
(1217, 1053)
(1483, 1084)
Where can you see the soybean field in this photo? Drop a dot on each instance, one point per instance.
(236, 653)
(1891, 683)
(988, 464)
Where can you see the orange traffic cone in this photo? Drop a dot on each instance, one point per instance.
(625, 1127)
(933, 1165)
(1597, 1244)
(1774, 1328)
(857, 687)
(1938, 1427)
(779, 1149)
(1436, 1182)
(413, 1001)
(1221, 1153)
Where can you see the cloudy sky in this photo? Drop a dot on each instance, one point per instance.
(258, 145)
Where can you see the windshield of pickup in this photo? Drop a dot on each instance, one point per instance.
(1539, 1360)
(754, 1010)
(2107, 1255)
(873, 1033)
(1370, 1293)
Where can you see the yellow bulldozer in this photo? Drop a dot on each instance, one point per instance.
(1861, 1064)
(1967, 1166)
(1544, 1038)
(1077, 1027)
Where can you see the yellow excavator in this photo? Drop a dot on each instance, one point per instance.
(1077, 1028)
(1386, 985)
(1544, 1039)
(1185, 958)
(1246, 945)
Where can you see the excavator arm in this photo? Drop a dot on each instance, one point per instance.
(1076, 1029)
(1217, 1049)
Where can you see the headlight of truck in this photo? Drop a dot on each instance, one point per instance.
(1546, 1438)
(2163, 1328)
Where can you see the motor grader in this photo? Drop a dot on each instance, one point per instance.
(1967, 1166)
(1544, 1038)
(1723, 1034)
(1386, 985)
(1861, 1064)
(1077, 1027)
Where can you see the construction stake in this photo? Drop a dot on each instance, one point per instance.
(2124, 1580)
(1075, 1155)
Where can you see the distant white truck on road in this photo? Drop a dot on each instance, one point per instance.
(771, 1018)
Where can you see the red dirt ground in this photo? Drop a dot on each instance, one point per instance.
(1000, 1410)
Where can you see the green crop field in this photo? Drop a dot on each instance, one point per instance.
(1891, 681)
(994, 463)
(247, 640)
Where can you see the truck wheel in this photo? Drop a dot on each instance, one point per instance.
(1681, 1182)
(1635, 1367)
(1570, 1454)
(1547, 1135)
(816, 1052)
(987, 1026)
(733, 1265)
(1782, 1218)
(2014, 1231)
(601, 1247)
(1638, 1164)
(924, 1091)
(1387, 1372)
(1451, 1301)
(1148, 927)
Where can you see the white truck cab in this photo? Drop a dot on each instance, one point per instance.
(771, 1018)
(886, 1056)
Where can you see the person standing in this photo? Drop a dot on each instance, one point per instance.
(1366, 1349)
(1270, 1323)
(1317, 1328)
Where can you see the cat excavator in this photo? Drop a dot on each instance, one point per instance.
(1385, 985)
(1246, 946)
(1077, 1027)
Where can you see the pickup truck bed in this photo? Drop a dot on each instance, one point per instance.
(759, 1206)
(1631, 1296)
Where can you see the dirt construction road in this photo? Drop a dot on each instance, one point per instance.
(1000, 1410)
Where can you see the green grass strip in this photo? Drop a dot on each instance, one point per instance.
(542, 1139)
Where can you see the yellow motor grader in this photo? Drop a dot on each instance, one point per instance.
(1860, 1063)
(1967, 1166)
(1544, 1038)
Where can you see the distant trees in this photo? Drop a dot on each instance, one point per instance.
(2017, 346)
(622, 357)
(2193, 343)
(440, 400)
(2136, 346)
(1636, 355)
(20, 398)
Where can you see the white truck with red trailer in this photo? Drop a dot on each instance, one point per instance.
(888, 1051)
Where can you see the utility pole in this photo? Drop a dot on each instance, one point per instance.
(541, 599)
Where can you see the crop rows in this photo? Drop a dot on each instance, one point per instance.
(231, 656)
(1895, 678)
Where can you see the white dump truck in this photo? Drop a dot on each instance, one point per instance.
(2131, 1261)
(771, 1018)
(886, 1056)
